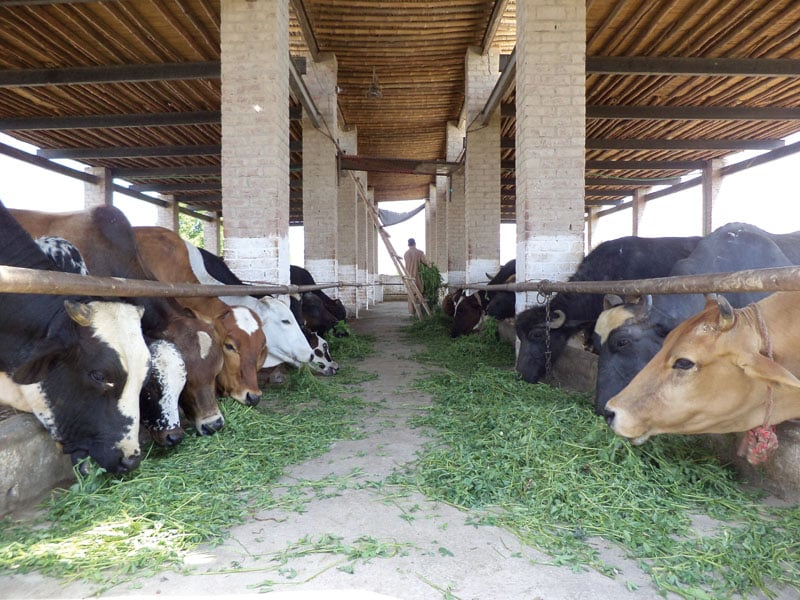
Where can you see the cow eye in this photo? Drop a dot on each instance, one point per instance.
(684, 364)
(229, 347)
(621, 342)
(97, 376)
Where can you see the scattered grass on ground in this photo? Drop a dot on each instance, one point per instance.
(538, 462)
(107, 530)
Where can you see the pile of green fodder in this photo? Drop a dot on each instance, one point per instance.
(107, 529)
(537, 461)
(431, 282)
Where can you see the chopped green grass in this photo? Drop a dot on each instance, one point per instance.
(538, 462)
(108, 529)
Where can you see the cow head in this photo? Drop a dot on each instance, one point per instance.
(158, 401)
(244, 350)
(710, 376)
(322, 361)
(316, 316)
(287, 344)
(540, 337)
(625, 338)
(203, 358)
(83, 381)
(468, 312)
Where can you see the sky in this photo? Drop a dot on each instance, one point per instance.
(766, 196)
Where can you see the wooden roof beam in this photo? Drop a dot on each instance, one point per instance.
(109, 121)
(109, 74)
(494, 22)
(141, 151)
(656, 165)
(168, 172)
(694, 113)
(661, 65)
(705, 144)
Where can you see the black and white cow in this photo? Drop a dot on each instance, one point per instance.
(158, 400)
(628, 257)
(321, 316)
(627, 336)
(76, 363)
(469, 309)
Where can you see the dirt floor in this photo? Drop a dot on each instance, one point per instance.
(431, 551)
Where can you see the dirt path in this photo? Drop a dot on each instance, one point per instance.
(406, 546)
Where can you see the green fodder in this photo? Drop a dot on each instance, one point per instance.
(463, 353)
(431, 282)
(178, 499)
(538, 461)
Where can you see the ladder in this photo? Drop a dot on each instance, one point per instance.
(410, 283)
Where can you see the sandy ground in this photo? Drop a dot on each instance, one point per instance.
(432, 552)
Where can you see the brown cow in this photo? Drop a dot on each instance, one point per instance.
(714, 374)
(104, 237)
(238, 329)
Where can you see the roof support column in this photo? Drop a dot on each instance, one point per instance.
(551, 132)
(211, 235)
(254, 43)
(168, 216)
(320, 222)
(637, 209)
(481, 168)
(100, 193)
(377, 290)
(430, 223)
(456, 234)
(712, 183)
(361, 244)
(440, 258)
(347, 241)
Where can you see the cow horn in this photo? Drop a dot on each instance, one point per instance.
(643, 306)
(611, 300)
(726, 314)
(558, 320)
(78, 312)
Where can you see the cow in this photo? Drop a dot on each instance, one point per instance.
(300, 276)
(543, 331)
(627, 336)
(470, 309)
(289, 341)
(78, 364)
(239, 330)
(159, 398)
(723, 370)
(104, 237)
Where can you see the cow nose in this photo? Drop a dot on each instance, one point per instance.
(252, 399)
(608, 415)
(211, 427)
(173, 438)
(128, 463)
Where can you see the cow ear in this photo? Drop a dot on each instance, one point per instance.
(759, 366)
(611, 300)
(79, 312)
(643, 306)
(558, 319)
(202, 317)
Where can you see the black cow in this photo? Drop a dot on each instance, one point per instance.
(629, 335)
(300, 276)
(76, 363)
(158, 400)
(628, 257)
(469, 309)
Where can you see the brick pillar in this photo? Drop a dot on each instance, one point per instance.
(168, 216)
(591, 224)
(551, 132)
(431, 205)
(482, 168)
(361, 242)
(442, 201)
(637, 210)
(320, 220)
(100, 193)
(377, 290)
(347, 242)
(211, 235)
(712, 183)
(254, 44)
(456, 236)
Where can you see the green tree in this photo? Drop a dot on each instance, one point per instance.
(191, 229)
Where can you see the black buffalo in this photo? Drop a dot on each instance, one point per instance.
(629, 335)
(628, 257)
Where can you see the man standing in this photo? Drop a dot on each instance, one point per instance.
(412, 258)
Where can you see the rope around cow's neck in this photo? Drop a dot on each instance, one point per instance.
(760, 443)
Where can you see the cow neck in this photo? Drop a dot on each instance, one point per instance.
(759, 443)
